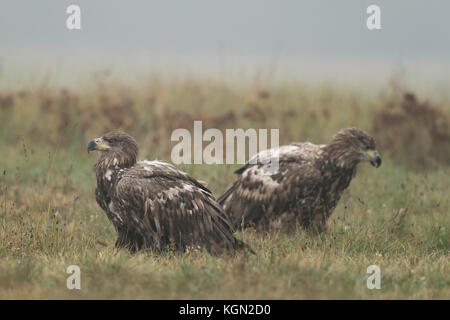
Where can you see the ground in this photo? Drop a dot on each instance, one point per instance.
(395, 217)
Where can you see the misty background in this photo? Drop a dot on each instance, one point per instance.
(307, 40)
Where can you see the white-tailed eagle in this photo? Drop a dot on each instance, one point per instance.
(306, 187)
(154, 205)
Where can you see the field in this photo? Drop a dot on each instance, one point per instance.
(396, 217)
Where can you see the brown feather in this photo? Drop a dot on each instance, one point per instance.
(154, 205)
(306, 188)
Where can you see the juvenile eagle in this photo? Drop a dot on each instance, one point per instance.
(154, 205)
(306, 187)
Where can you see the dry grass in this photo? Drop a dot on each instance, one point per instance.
(395, 217)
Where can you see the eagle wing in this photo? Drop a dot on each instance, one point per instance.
(259, 196)
(167, 207)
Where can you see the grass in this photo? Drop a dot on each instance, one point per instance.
(394, 217)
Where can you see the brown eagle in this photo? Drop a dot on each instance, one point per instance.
(305, 188)
(154, 205)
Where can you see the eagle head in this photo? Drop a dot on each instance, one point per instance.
(356, 145)
(115, 143)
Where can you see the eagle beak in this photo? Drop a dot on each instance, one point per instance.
(374, 158)
(97, 144)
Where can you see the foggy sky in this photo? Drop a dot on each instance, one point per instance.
(412, 30)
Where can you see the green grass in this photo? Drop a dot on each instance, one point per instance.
(394, 217)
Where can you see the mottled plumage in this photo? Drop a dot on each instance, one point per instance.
(306, 187)
(154, 205)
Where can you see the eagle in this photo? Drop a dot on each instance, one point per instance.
(155, 206)
(303, 189)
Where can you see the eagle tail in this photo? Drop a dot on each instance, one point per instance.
(222, 236)
(223, 198)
